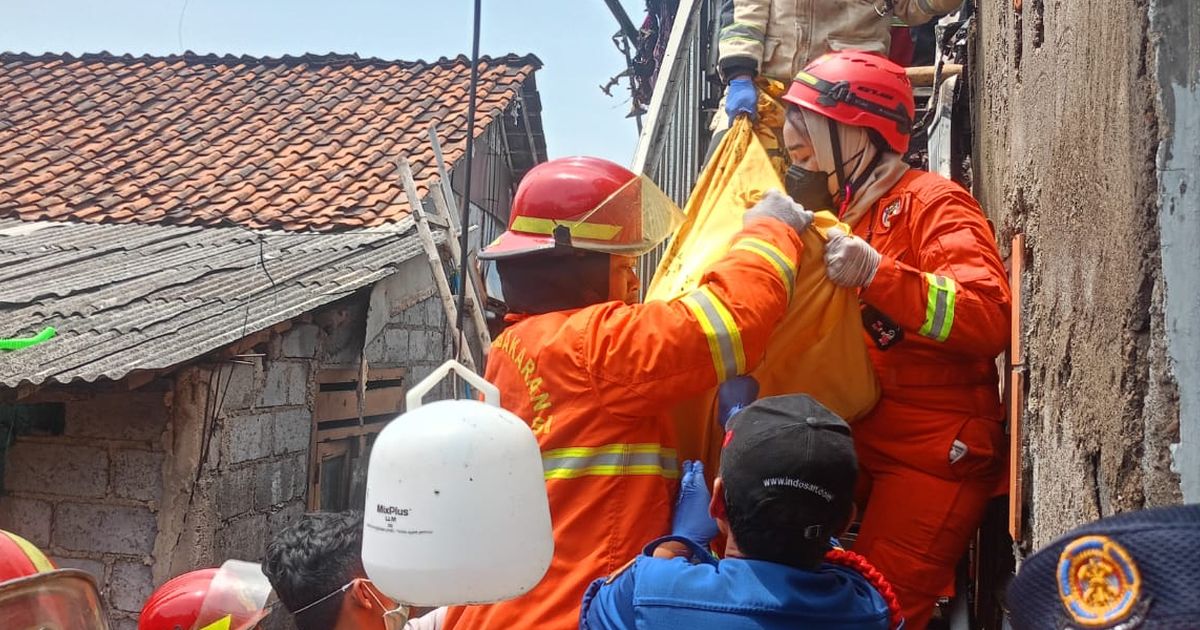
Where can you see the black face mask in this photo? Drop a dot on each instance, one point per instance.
(808, 188)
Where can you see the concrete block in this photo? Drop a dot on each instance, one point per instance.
(435, 313)
(242, 539)
(27, 518)
(234, 492)
(378, 351)
(292, 431)
(79, 471)
(295, 474)
(285, 384)
(419, 343)
(247, 437)
(104, 528)
(94, 567)
(268, 485)
(129, 586)
(413, 316)
(301, 341)
(140, 416)
(117, 622)
(279, 520)
(137, 475)
(397, 345)
(245, 382)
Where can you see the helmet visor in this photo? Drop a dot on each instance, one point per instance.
(64, 599)
(236, 598)
(630, 222)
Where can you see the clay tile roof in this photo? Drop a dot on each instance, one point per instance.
(297, 143)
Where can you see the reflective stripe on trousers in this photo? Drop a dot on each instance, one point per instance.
(610, 460)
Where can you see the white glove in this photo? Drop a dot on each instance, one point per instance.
(849, 260)
(777, 205)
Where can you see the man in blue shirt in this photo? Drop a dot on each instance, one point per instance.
(786, 487)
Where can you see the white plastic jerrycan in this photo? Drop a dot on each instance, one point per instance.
(456, 509)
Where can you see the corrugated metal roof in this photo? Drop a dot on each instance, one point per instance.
(144, 297)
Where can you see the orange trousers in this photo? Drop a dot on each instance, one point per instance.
(920, 510)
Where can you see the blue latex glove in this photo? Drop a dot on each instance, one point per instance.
(692, 520)
(733, 395)
(741, 98)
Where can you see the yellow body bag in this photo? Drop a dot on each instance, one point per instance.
(819, 347)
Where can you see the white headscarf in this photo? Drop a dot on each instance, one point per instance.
(858, 153)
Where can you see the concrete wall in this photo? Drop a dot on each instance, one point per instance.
(1070, 127)
(208, 463)
(88, 497)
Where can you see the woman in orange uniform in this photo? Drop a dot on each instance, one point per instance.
(935, 309)
(595, 374)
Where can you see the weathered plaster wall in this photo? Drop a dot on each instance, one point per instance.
(1068, 141)
(1177, 25)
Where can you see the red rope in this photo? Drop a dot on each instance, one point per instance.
(856, 562)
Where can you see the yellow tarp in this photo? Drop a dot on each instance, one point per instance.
(819, 347)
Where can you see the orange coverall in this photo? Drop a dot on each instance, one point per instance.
(596, 385)
(932, 452)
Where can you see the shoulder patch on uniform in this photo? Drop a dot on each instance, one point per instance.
(616, 574)
(890, 212)
(1098, 581)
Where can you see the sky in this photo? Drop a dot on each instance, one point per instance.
(573, 38)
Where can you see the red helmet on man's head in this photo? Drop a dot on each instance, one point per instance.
(585, 203)
(20, 558)
(858, 89)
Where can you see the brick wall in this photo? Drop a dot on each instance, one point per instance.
(88, 497)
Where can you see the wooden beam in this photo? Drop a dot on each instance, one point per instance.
(922, 76)
(468, 279)
(343, 405)
(1016, 394)
(435, 259)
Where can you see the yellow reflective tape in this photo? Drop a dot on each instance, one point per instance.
(724, 338)
(224, 623)
(773, 255)
(710, 333)
(939, 307)
(579, 229)
(611, 471)
(806, 78)
(735, 334)
(40, 563)
(588, 451)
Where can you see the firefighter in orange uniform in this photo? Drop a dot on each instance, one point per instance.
(594, 374)
(935, 309)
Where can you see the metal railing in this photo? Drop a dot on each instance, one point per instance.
(674, 140)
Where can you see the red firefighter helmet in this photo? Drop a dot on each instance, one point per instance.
(585, 203)
(20, 558)
(58, 598)
(859, 89)
(230, 598)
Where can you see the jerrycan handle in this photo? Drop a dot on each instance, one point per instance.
(413, 400)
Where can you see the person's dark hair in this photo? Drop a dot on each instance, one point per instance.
(557, 280)
(312, 558)
(769, 533)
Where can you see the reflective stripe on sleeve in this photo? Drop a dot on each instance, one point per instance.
(724, 338)
(939, 310)
(744, 32)
(773, 255)
(610, 460)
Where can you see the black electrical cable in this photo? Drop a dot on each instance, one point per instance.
(465, 223)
